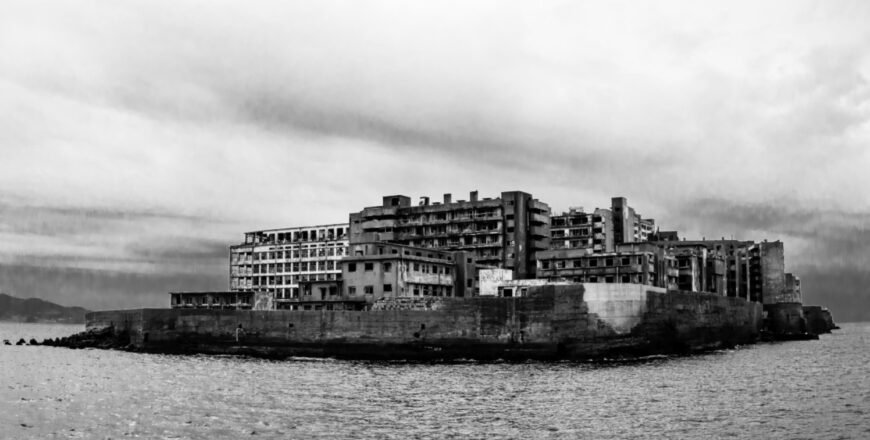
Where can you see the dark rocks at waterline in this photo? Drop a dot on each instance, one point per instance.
(95, 338)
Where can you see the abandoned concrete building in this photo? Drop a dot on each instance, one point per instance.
(505, 232)
(767, 273)
(491, 247)
(600, 230)
(734, 252)
(637, 263)
(277, 260)
(228, 300)
(372, 271)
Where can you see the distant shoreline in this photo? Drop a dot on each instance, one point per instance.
(25, 320)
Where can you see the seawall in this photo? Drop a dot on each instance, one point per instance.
(579, 321)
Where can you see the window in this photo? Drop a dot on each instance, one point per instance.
(351, 267)
(608, 279)
(545, 264)
(369, 289)
(576, 263)
(323, 292)
(593, 262)
(416, 291)
(626, 278)
(351, 290)
(626, 261)
(388, 287)
(468, 282)
(416, 267)
(608, 262)
(388, 267)
(369, 267)
(507, 293)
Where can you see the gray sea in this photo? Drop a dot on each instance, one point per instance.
(791, 390)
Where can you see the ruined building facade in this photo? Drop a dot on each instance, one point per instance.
(600, 230)
(504, 232)
(373, 271)
(635, 263)
(277, 260)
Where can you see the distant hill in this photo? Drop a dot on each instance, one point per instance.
(37, 310)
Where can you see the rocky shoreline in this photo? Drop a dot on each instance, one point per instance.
(105, 338)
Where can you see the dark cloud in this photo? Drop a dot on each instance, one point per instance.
(174, 250)
(845, 291)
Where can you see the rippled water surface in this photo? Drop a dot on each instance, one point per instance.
(809, 389)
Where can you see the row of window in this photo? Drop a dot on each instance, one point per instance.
(576, 220)
(625, 278)
(592, 262)
(243, 282)
(301, 253)
(205, 300)
(413, 289)
(414, 267)
(585, 232)
(304, 235)
(304, 266)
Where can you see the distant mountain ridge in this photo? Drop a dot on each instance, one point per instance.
(37, 310)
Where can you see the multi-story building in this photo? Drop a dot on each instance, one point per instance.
(792, 289)
(700, 269)
(767, 272)
(246, 300)
(735, 254)
(505, 232)
(637, 263)
(577, 229)
(372, 271)
(600, 230)
(629, 226)
(277, 260)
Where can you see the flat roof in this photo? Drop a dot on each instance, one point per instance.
(298, 228)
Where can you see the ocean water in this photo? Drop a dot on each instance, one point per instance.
(791, 390)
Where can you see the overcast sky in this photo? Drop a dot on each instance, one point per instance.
(139, 139)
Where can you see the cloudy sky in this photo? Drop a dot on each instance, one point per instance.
(138, 139)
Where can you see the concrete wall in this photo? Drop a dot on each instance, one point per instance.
(819, 320)
(490, 279)
(565, 321)
(785, 318)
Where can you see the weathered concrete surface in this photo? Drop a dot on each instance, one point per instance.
(578, 321)
(819, 320)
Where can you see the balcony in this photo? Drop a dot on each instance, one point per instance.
(540, 218)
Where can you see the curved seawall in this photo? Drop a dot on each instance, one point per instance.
(579, 321)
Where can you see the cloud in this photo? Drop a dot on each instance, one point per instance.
(139, 139)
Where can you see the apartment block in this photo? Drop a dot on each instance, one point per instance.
(637, 263)
(700, 269)
(278, 260)
(735, 255)
(503, 232)
(372, 271)
(577, 229)
(767, 272)
(601, 230)
(629, 226)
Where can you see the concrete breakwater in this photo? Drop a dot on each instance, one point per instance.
(578, 321)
